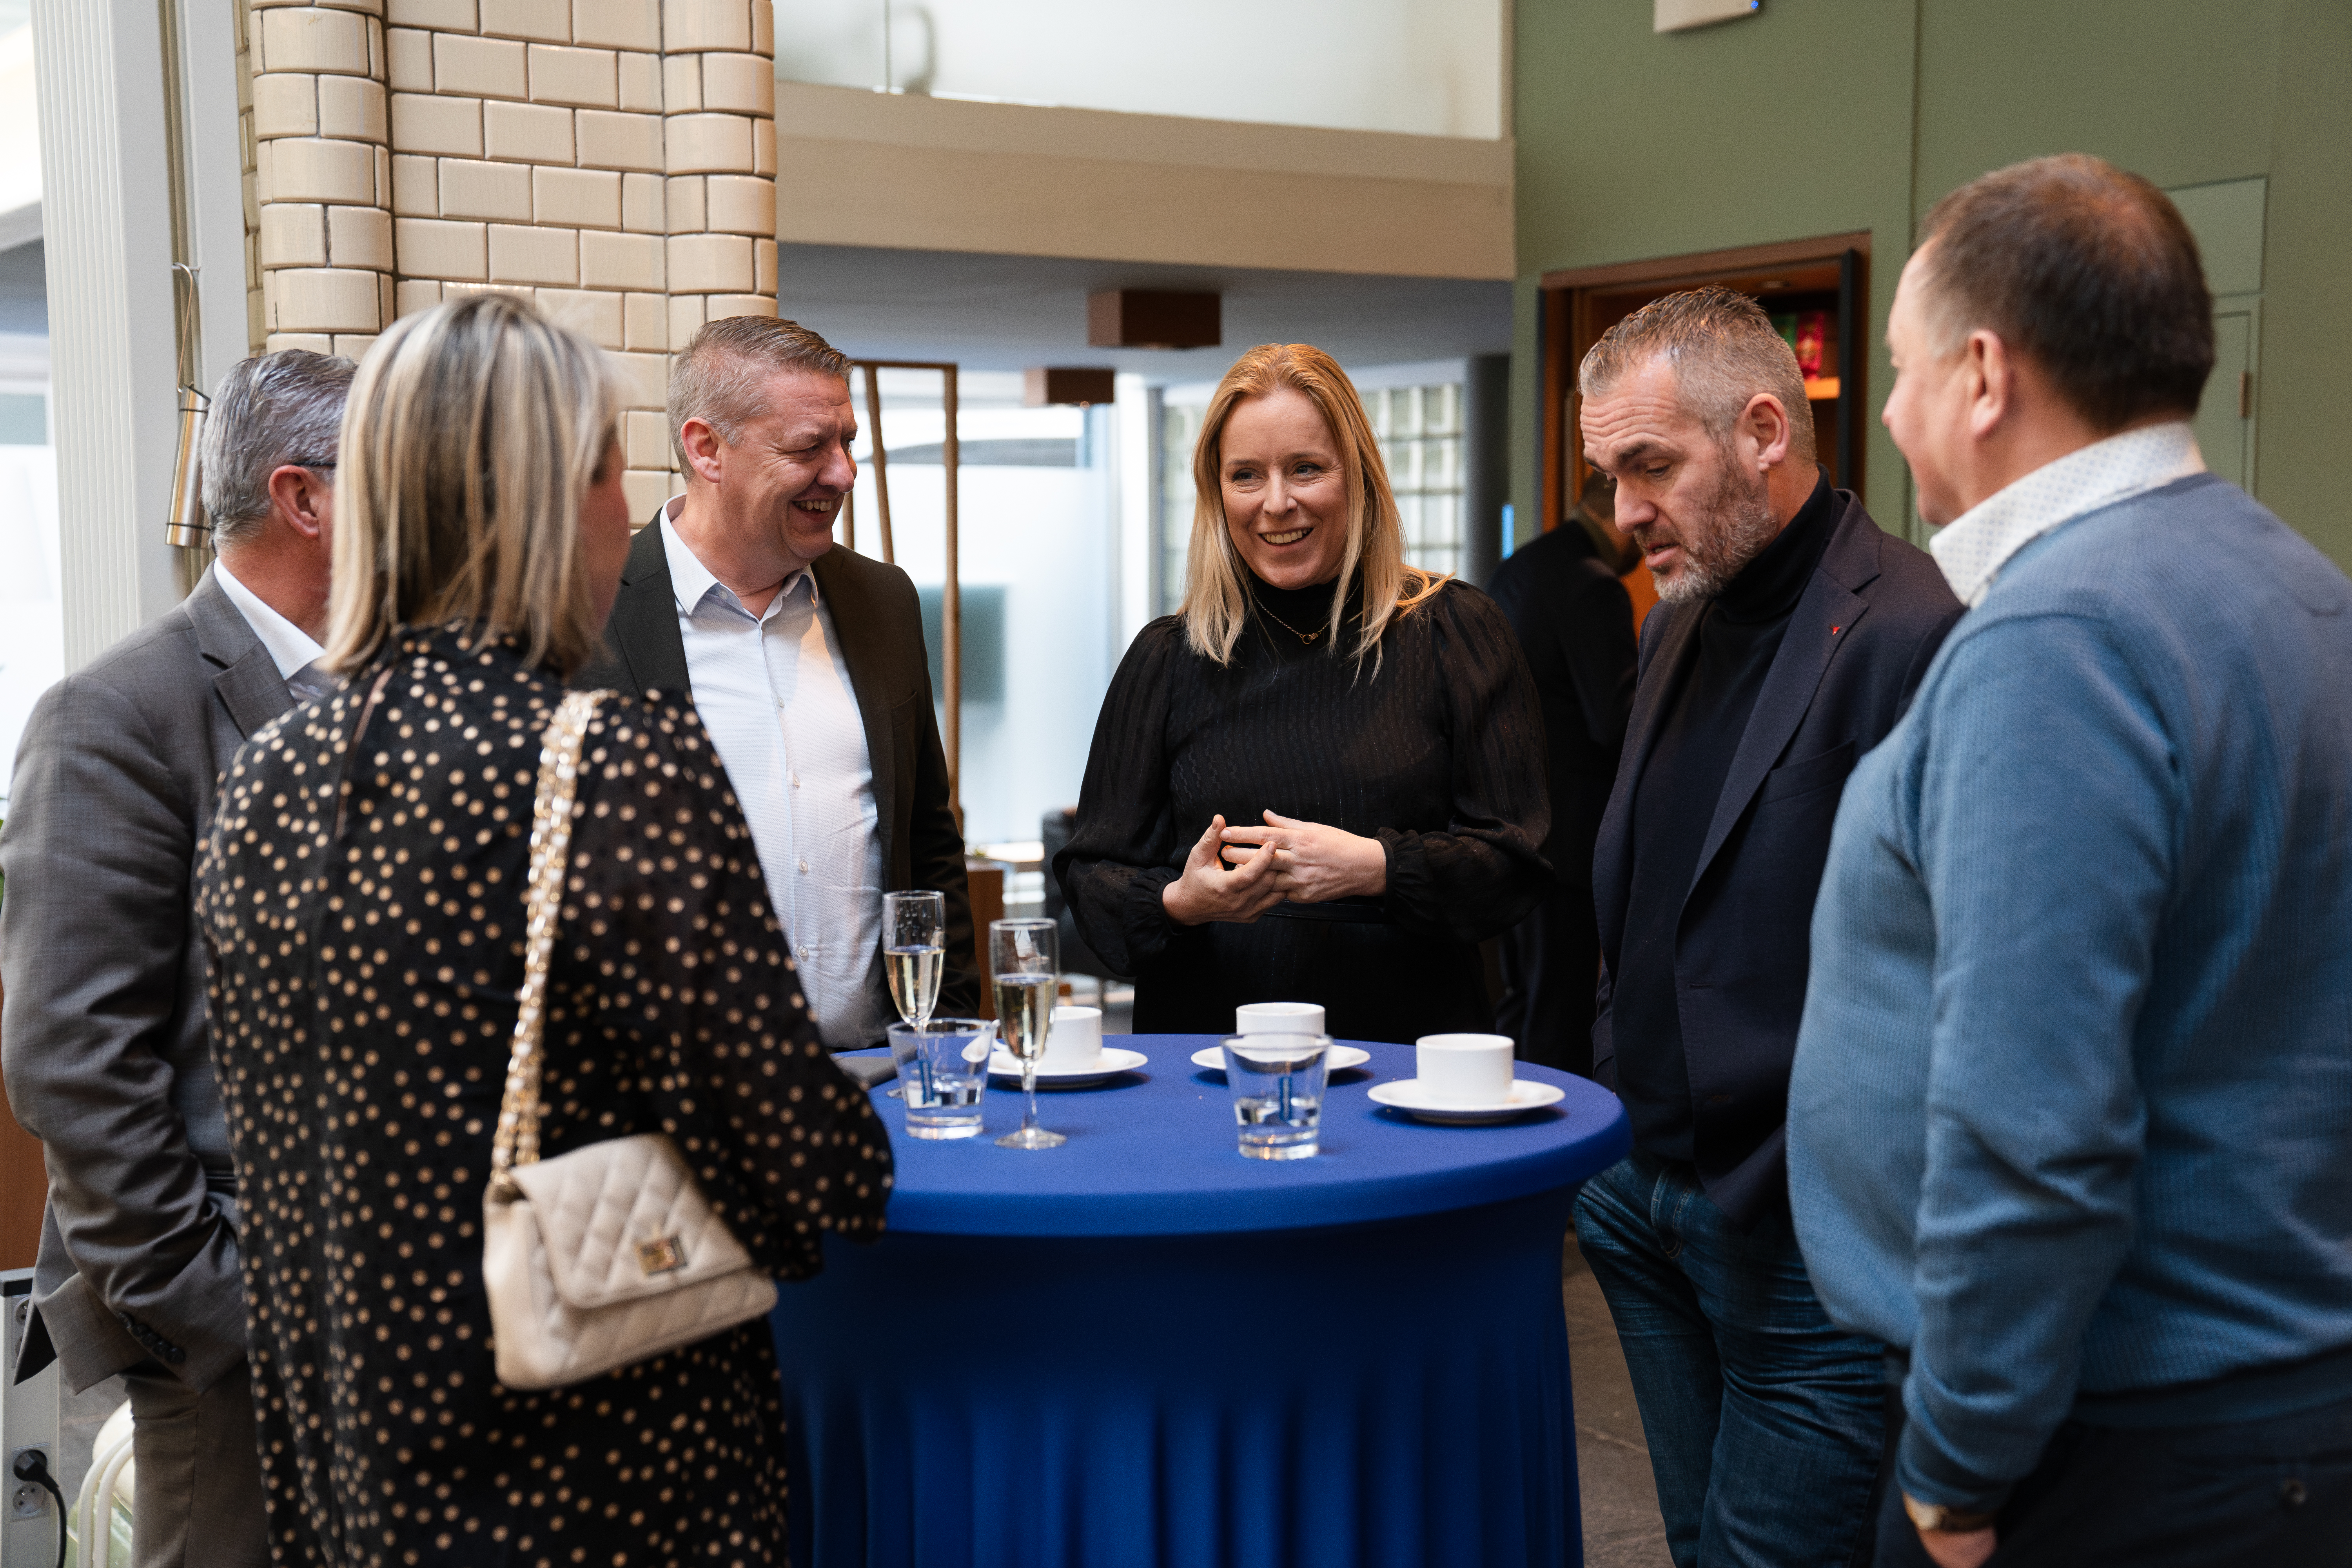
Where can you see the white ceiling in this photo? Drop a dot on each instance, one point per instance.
(1008, 312)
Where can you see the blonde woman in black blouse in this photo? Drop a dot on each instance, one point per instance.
(363, 896)
(1323, 780)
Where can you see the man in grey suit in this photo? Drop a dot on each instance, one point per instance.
(104, 1029)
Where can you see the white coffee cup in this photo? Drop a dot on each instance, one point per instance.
(1470, 1069)
(1075, 1042)
(1278, 1019)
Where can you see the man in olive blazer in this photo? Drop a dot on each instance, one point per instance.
(879, 623)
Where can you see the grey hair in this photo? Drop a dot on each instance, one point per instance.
(721, 374)
(1724, 351)
(270, 412)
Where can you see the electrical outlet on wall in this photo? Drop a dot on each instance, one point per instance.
(30, 1528)
(29, 1500)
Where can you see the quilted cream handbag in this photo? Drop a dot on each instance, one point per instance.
(610, 1254)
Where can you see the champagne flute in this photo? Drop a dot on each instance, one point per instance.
(914, 956)
(1025, 978)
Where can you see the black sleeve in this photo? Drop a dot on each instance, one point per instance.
(1123, 848)
(1576, 606)
(1596, 635)
(1604, 1039)
(1485, 871)
(672, 963)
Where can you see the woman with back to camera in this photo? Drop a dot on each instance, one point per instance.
(1323, 780)
(363, 895)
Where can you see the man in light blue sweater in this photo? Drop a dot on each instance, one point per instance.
(2070, 1124)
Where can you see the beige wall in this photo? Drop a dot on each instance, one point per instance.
(933, 173)
(614, 160)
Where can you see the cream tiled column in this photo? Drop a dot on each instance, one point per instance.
(256, 319)
(322, 174)
(531, 146)
(718, 86)
(718, 143)
(719, 151)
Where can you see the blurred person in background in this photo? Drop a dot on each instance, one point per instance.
(1322, 781)
(363, 892)
(1790, 632)
(106, 1020)
(1561, 593)
(2071, 1126)
(805, 660)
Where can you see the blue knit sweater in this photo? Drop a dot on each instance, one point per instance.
(2071, 1116)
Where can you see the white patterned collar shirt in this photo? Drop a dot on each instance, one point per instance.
(1975, 546)
(293, 650)
(775, 692)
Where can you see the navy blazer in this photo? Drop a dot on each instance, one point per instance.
(1862, 633)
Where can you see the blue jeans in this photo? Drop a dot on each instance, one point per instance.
(1764, 1422)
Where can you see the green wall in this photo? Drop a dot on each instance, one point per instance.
(1819, 117)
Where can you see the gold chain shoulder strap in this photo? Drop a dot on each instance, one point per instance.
(516, 1140)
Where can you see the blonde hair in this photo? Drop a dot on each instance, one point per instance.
(1216, 604)
(468, 443)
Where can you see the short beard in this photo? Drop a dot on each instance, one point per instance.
(1735, 524)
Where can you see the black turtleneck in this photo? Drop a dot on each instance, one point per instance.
(1738, 633)
(1436, 750)
(1286, 612)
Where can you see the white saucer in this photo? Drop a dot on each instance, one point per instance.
(1114, 1062)
(1407, 1094)
(1342, 1059)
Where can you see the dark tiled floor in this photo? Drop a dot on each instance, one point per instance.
(1620, 1505)
(1613, 1467)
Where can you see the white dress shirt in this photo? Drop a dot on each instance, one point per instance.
(291, 648)
(1975, 546)
(773, 691)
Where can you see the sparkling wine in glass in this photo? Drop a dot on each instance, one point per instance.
(914, 955)
(1025, 978)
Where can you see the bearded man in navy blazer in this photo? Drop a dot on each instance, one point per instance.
(1789, 632)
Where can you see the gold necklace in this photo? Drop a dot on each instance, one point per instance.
(1307, 637)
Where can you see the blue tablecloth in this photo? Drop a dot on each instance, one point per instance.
(1143, 1349)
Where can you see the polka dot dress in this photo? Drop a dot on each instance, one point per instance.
(363, 895)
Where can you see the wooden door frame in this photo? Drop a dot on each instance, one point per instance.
(1562, 304)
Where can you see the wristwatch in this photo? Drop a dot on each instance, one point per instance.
(1938, 1520)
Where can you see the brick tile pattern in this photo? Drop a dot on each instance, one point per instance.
(318, 126)
(614, 160)
(256, 330)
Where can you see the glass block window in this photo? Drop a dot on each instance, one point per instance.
(1420, 432)
(1180, 427)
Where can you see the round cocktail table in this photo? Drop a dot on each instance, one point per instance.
(1142, 1349)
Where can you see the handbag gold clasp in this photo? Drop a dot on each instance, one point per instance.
(663, 1256)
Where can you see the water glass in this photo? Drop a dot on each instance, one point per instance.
(943, 1070)
(1277, 1084)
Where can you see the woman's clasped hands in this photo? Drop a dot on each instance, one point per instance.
(1238, 873)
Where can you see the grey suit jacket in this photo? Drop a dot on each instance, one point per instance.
(104, 1029)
